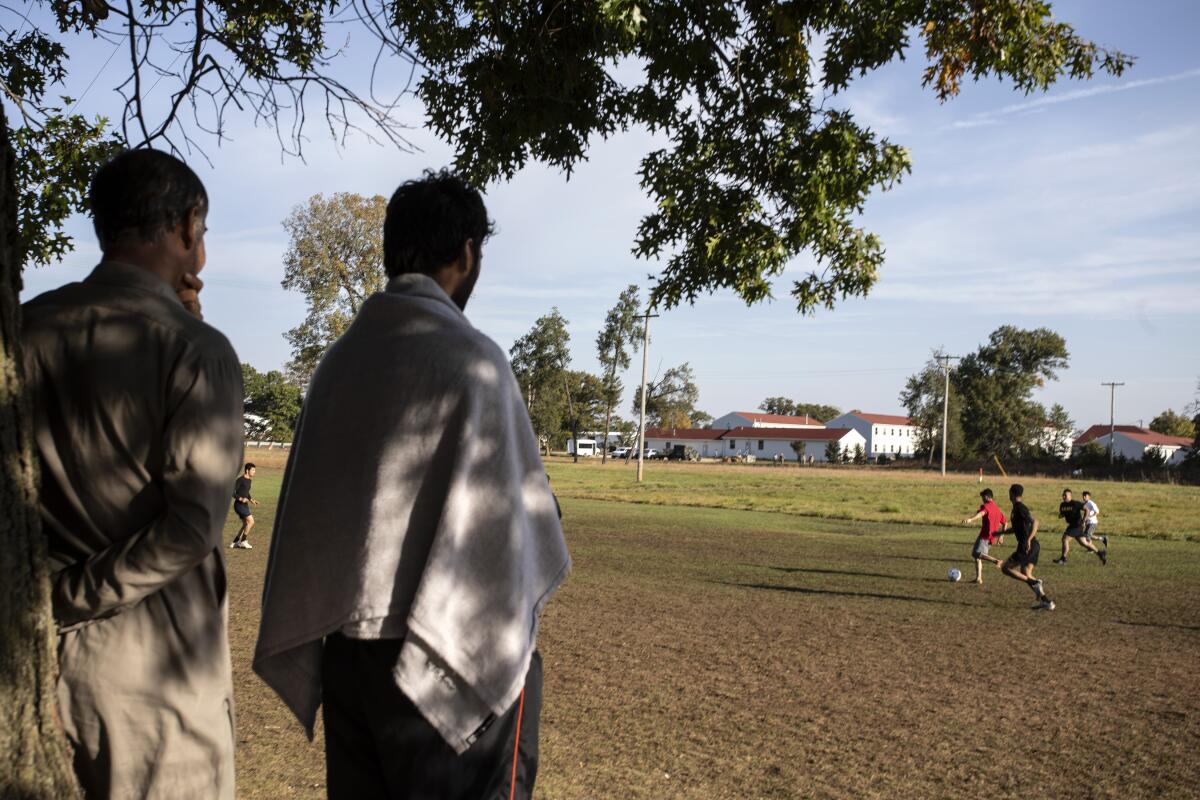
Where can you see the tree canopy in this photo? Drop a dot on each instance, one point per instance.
(790, 408)
(761, 161)
(272, 405)
(670, 398)
(1172, 424)
(335, 259)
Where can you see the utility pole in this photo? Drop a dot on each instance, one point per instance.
(1112, 427)
(946, 404)
(641, 440)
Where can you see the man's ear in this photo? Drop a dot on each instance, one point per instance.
(191, 227)
(466, 259)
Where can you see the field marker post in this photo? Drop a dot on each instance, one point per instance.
(641, 442)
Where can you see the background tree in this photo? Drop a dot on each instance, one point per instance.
(922, 398)
(997, 381)
(790, 408)
(1059, 432)
(335, 259)
(1172, 424)
(670, 399)
(539, 359)
(616, 342)
(274, 401)
(860, 455)
(700, 419)
(778, 405)
(833, 452)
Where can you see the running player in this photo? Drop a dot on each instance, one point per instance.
(993, 520)
(241, 506)
(1091, 519)
(1073, 512)
(1020, 564)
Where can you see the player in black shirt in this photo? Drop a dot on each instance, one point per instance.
(241, 506)
(1021, 563)
(1072, 511)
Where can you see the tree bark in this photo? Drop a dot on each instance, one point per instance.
(35, 759)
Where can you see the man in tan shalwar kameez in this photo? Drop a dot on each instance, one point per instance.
(138, 428)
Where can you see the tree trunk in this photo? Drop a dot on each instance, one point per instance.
(35, 759)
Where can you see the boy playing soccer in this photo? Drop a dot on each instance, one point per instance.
(993, 520)
(1073, 512)
(1020, 564)
(241, 506)
(1091, 518)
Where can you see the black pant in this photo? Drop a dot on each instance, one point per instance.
(377, 744)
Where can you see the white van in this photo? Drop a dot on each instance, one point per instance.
(586, 447)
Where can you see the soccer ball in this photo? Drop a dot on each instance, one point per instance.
(954, 575)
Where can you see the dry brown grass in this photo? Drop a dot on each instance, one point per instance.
(709, 653)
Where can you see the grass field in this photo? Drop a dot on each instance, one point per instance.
(1158, 511)
(722, 653)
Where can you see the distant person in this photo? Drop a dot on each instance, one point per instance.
(137, 409)
(1091, 519)
(993, 520)
(1021, 563)
(1074, 512)
(241, 506)
(416, 539)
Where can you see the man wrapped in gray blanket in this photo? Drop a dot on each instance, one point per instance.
(416, 540)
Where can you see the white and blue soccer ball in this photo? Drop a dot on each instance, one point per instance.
(954, 575)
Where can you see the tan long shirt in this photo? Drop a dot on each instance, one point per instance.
(138, 426)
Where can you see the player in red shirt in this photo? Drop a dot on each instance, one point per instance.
(993, 520)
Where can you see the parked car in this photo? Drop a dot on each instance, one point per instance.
(619, 452)
(652, 453)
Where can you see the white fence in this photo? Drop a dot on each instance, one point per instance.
(269, 445)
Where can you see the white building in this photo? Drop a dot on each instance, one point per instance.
(1132, 442)
(885, 434)
(753, 419)
(766, 443)
(1056, 441)
(705, 441)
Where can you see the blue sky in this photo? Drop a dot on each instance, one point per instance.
(1075, 210)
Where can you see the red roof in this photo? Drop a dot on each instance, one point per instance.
(1096, 431)
(881, 419)
(684, 433)
(779, 419)
(1142, 435)
(789, 434)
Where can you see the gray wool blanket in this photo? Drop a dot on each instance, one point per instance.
(415, 505)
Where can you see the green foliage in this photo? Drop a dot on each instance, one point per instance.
(1059, 434)
(997, 381)
(335, 259)
(274, 400)
(923, 398)
(670, 399)
(790, 408)
(833, 452)
(759, 165)
(615, 343)
(860, 455)
(539, 359)
(700, 419)
(1172, 424)
(1154, 457)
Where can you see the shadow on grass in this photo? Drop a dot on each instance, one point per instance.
(816, 571)
(833, 593)
(944, 559)
(1159, 625)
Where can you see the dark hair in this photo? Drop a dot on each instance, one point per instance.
(429, 219)
(1087, 494)
(986, 494)
(248, 467)
(144, 193)
(1016, 490)
(1067, 491)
